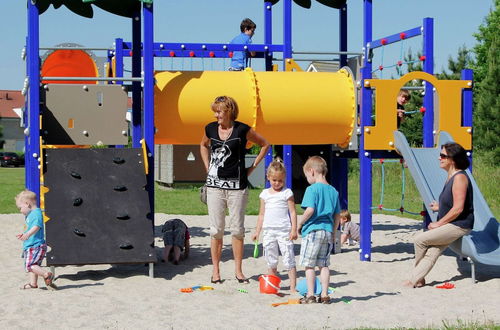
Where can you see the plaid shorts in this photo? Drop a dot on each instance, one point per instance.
(34, 256)
(315, 249)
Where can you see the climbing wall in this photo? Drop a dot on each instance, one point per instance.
(98, 208)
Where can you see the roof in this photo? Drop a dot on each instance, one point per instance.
(318, 66)
(9, 100)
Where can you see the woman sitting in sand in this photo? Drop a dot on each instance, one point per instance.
(455, 217)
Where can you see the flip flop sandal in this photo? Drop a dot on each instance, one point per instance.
(28, 286)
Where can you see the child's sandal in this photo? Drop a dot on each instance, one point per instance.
(28, 286)
(308, 300)
(325, 300)
(48, 280)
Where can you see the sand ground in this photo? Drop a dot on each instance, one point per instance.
(367, 294)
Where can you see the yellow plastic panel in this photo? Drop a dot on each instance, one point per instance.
(183, 99)
(380, 136)
(285, 107)
(306, 107)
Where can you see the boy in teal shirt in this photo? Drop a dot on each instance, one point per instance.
(318, 226)
(34, 247)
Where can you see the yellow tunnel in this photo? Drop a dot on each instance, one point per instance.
(284, 107)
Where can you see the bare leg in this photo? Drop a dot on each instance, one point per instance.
(311, 280)
(166, 252)
(33, 279)
(324, 276)
(216, 252)
(273, 271)
(238, 257)
(292, 275)
(177, 254)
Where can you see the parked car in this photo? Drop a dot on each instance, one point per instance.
(10, 159)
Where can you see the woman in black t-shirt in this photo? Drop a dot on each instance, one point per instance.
(222, 150)
(455, 214)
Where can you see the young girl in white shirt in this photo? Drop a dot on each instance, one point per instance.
(278, 219)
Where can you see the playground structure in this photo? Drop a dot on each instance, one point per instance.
(174, 110)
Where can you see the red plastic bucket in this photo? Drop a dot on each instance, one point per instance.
(269, 284)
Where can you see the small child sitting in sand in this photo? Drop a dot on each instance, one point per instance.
(278, 218)
(350, 230)
(176, 239)
(34, 247)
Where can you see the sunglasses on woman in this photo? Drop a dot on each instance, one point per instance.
(441, 155)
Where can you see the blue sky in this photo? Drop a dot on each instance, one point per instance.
(217, 21)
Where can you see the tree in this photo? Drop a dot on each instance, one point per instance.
(487, 127)
(464, 61)
(487, 86)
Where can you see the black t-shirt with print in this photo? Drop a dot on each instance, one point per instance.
(227, 158)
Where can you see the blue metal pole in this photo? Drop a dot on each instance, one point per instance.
(27, 160)
(287, 159)
(268, 33)
(365, 161)
(428, 52)
(343, 34)
(148, 94)
(287, 31)
(428, 119)
(33, 148)
(339, 172)
(136, 85)
(119, 59)
(287, 53)
(467, 105)
(268, 39)
(268, 160)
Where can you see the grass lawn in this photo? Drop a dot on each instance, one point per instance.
(11, 183)
(184, 199)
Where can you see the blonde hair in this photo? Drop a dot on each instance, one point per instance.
(345, 214)
(317, 163)
(226, 103)
(27, 196)
(276, 166)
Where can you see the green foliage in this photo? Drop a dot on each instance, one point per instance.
(488, 31)
(455, 66)
(487, 71)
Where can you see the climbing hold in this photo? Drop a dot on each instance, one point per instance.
(120, 188)
(75, 175)
(126, 246)
(77, 201)
(123, 216)
(118, 160)
(79, 232)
